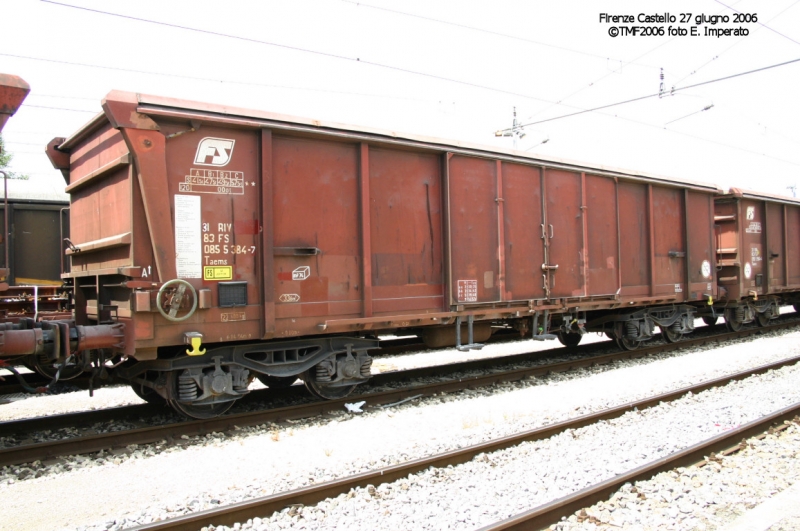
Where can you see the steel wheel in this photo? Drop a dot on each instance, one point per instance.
(327, 392)
(762, 319)
(670, 336)
(626, 343)
(710, 321)
(276, 382)
(205, 411)
(731, 322)
(569, 340)
(148, 394)
(201, 412)
(44, 367)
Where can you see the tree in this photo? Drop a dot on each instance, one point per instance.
(5, 160)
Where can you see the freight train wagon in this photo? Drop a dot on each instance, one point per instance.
(211, 245)
(33, 224)
(758, 256)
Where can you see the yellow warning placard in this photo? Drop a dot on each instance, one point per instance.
(218, 273)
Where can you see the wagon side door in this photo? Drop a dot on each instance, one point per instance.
(563, 234)
(314, 208)
(521, 214)
(775, 251)
(668, 246)
(473, 228)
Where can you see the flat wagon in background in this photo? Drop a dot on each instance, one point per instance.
(38, 222)
(211, 245)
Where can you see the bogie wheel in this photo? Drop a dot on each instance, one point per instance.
(762, 319)
(327, 392)
(45, 367)
(626, 343)
(670, 336)
(710, 320)
(569, 340)
(731, 322)
(277, 382)
(204, 411)
(148, 394)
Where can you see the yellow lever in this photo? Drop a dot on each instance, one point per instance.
(195, 351)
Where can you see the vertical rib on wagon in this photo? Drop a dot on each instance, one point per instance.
(148, 147)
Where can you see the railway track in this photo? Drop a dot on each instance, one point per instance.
(88, 420)
(724, 443)
(537, 518)
(91, 441)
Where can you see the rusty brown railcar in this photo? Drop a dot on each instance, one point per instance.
(758, 255)
(32, 230)
(13, 91)
(211, 245)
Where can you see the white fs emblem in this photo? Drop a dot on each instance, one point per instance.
(214, 151)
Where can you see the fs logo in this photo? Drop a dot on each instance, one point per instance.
(214, 151)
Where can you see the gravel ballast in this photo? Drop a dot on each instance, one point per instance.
(730, 493)
(157, 481)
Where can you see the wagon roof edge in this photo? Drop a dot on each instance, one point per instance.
(742, 193)
(154, 104)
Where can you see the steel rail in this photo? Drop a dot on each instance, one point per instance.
(94, 442)
(551, 513)
(259, 507)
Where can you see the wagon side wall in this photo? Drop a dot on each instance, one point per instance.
(285, 231)
(758, 243)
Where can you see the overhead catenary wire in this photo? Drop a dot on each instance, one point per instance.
(59, 96)
(707, 107)
(57, 108)
(495, 33)
(308, 51)
(605, 76)
(457, 81)
(655, 95)
(736, 43)
(523, 39)
(694, 137)
(87, 65)
(208, 79)
(762, 24)
(396, 68)
(704, 139)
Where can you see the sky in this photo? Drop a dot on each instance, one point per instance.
(449, 69)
